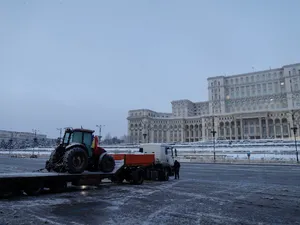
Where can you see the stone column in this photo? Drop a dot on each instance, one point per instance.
(235, 129)
(230, 131)
(203, 129)
(242, 128)
(182, 133)
(267, 127)
(260, 128)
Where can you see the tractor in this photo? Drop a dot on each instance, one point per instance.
(75, 154)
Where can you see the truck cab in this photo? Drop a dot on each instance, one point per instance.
(164, 154)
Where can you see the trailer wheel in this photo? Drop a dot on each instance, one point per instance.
(117, 179)
(9, 193)
(34, 189)
(75, 160)
(137, 177)
(58, 188)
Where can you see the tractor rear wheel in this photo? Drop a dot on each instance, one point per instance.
(75, 160)
(107, 164)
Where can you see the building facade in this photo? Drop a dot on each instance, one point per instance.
(20, 136)
(257, 105)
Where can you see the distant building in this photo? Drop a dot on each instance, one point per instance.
(15, 135)
(256, 105)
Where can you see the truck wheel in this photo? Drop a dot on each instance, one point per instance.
(75, 160)
(107, 164)
(166, 174)
(34, 189)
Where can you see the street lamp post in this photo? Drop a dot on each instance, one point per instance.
(100, 128)
(214, 135)
(144, 131)
(294, 129)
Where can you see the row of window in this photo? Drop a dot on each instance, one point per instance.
(255, 107)
(254, 78)
(259, 89)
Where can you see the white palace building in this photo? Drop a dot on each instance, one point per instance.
(256, 105)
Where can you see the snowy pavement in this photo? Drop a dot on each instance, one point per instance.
(205, 194)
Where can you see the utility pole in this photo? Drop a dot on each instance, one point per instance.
(294, 129)
(100, 127)
(60, 133)
(34, 140)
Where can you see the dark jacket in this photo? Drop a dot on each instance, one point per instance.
(176, 165)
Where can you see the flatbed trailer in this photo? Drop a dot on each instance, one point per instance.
(32, 183)
(134, 168)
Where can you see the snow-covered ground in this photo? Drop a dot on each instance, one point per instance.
(203, 153)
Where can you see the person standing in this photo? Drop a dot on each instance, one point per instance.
(176, 168)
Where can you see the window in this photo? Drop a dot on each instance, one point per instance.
(247, 79)
(253, 90)
(257, 77)
(252, 79)
(237, 80)
(248, 90)
(276, 86)
(270, 88)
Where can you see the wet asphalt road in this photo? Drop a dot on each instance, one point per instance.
(205, 194)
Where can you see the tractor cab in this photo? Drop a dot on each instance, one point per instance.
(79, 136)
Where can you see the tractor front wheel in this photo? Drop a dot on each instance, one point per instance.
(75, 160)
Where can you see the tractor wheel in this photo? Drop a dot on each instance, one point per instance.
(51, 163)
(107, 164)
(75, 160)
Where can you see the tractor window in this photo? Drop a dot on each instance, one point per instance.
(87, 139)
(66, 138)
(76, 137)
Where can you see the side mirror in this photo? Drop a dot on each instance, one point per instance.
(141, 150)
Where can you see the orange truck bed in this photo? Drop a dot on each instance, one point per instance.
(135, 159)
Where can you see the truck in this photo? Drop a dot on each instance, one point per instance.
(79, 160)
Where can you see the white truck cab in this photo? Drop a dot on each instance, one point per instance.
(164, 154)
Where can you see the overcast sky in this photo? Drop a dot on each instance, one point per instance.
(72, 63)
